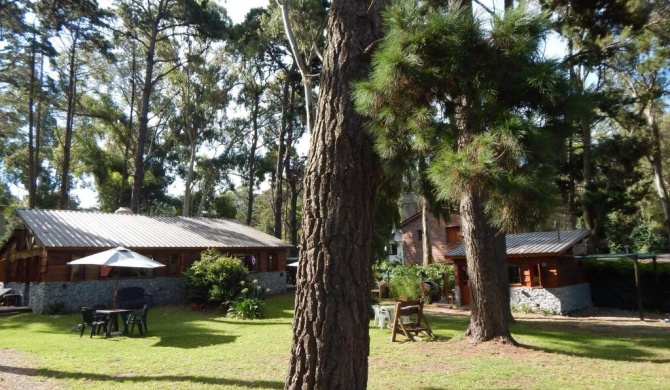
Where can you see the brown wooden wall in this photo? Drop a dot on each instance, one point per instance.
(547, 272)
(51, 265)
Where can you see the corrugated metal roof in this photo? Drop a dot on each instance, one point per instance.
(62, 228)
(538, 243)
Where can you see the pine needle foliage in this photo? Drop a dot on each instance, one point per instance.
(475, 97)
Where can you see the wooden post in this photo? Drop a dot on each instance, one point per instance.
(657, 290)
(637, 288)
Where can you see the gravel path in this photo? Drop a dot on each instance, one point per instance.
(17, 371)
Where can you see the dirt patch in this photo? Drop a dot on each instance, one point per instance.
(17, 371)
(590, 315)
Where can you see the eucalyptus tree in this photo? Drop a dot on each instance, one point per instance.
(481, 104)
(638, 77)
(287, 128)
(79, 26)
(24, 51)
(330, 343)
(265, 28)
(155, 25)
(256, 71)
(593, 31)
(202, 88)
(303, 22)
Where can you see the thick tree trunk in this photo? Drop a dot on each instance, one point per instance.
(330, 344)
(488, 274)
(294, 185)
(252, 159)
(186, 205)
(282, 150)
(32, 160)
(143, 123)
(426, 244)
(656, 160)
(501, 256)
(126, 145)
(69, 127)
(38, 126)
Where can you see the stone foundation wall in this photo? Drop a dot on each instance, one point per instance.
(561, 300)
(164, 290)
(273, 281)
(458, 296)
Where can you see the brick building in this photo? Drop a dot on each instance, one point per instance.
(444, 235)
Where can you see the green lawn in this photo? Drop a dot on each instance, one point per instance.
(187, 349)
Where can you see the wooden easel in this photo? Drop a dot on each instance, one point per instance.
(415, 322)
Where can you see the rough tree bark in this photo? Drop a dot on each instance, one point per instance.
(426, 246)
(330, 328)
(282, 152)
(486, 271)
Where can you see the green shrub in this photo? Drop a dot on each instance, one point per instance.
(252, 290)
(404, 283)
(215, 279)
(405, 279)
(247, 309)
(53, 309)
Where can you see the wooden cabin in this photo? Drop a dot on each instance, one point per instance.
(33, 262)
(543, 274)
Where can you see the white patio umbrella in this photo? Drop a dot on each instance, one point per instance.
(118, 257)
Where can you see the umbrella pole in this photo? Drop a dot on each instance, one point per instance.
(116, 287)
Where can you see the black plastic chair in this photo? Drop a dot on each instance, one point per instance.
(89, 319)
(138, 318)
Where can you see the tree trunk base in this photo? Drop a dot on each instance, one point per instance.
(500, 339)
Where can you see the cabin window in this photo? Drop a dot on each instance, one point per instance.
(76, 271)
(419, 235)
(452, 234)
(172, 264)
(250, 260)
(272, 262)
(392, 249)
(514, 274)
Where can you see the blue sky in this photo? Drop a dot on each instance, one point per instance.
(237, 9)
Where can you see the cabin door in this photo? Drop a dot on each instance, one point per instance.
(465, 295)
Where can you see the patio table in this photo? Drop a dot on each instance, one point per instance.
(113, 315)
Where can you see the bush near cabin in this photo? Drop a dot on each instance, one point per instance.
(215, 279)
(405, 280)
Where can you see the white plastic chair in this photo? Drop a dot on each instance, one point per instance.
(381, 316)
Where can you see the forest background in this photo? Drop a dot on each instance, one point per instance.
(134, 99)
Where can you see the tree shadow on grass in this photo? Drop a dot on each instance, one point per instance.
(262, 322)
(194, 339)
(114, 379)
(629, 343)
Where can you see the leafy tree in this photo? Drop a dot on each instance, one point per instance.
(594, 31)
(303, 22)
(155, 24)
(481, 105)
(78, 27)
(638, 78)
(202, 89)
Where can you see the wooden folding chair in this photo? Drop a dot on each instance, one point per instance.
(409, 320)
